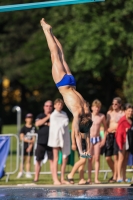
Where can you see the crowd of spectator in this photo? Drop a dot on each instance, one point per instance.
(110, 134)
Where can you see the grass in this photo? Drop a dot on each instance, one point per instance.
(9, 129)
(43, 179)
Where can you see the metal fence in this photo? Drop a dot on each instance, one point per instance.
(103, 165)
(10, 168)
(45, 165)
(15, 157)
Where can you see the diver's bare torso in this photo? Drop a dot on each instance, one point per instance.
(73, 100)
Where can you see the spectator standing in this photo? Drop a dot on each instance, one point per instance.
(28, 140)
(111, 148)
(95, 139)
(121, 138)
(82, 181)
(59, 138)
(79, 165)
(42, 122)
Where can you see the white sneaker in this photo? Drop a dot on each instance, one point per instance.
(28, 175)
(20, 174)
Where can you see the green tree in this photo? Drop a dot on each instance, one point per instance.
(128, 83)
(97, 40)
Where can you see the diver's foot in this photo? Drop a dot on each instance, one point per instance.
(44, 25)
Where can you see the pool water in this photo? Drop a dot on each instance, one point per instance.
(43, 193)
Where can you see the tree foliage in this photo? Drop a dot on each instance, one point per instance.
(97, 41)
(128, 83)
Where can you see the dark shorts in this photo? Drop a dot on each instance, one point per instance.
(40, 152)
(28, 153)
(111, 147)
(25, 153)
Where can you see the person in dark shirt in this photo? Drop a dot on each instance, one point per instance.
(28, 140)
(42, 122)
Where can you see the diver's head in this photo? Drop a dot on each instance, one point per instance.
(85, 123)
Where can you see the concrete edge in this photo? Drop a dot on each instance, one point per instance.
(75, 186)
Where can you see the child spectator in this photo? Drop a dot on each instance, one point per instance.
(59, 138)
(28, 140)
(95, 140)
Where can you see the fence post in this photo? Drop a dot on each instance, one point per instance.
(18, 109)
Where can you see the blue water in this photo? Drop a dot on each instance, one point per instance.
(82, 194)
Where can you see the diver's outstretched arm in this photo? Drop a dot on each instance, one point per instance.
(75, 127)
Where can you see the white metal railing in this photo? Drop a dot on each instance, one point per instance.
(13, 162)
(11, 168)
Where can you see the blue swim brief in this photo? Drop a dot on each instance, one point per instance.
(67, 80)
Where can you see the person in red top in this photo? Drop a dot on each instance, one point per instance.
(123, 125)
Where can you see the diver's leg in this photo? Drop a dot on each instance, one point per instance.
(63, 57)
(58, 70)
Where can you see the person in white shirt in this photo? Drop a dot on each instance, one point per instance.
(59, 139)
